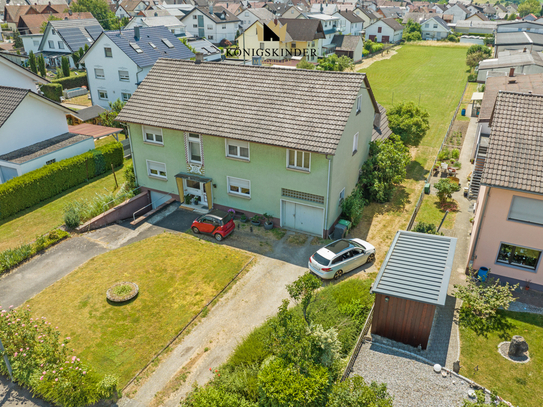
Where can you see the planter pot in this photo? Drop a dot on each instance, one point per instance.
(243, 220)
(268, 226)
(257, 223)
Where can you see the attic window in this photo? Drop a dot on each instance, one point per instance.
(152, 45)
(167, 43)
(136, 47)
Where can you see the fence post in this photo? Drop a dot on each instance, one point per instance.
(114, 176)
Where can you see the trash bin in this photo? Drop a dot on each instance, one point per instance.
(427, 188)
(339, 231)
(463, 112)
(482, 273)
(345, 222)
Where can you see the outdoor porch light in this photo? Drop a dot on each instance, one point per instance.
(386, 299)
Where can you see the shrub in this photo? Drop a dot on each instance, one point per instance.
(65, 63)
(303, 64)
(472, 77)
(352, 207)
(28, 189)
(414, 36)
(474, 49)
(211, 396)
(365, 52)
(428, 228)
(455, 154)
(445, 189)
(42, 362)
(74, 81)
(409, 121)
(444, 154)
(354, 392)
(52, 91)
(72, 217)
(130, 176)
(452, 38)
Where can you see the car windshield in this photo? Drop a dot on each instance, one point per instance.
(321, 260)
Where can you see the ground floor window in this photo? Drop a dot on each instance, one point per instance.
(238, 186)
(102, 94)
(518, 256)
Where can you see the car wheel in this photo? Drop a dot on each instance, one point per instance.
(218, 237)
(371, 258)
(338, 274)
(195, 230)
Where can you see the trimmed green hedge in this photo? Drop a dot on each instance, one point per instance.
(52, 91)
(33, 187)
(73, 81)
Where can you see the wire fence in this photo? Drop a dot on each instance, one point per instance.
(421, 197)
(358, 345)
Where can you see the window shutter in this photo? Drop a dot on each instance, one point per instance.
(526, 210)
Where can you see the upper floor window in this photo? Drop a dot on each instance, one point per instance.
(379, 29)
(237, 149)
(224, 26)
(426, 25)
(355, 143)
(99, 73)
(195, 17)
(51, 44)
(124, 76)
(209, 27)
(359, 104)
(53, 31)
(125, 96)
(435, 25)
(518, 256)
(299, 160)
(36, 43)
(152, 135)
(108, 53)
(102, 94)
(527, 210)
(195, 155)
(60, 45)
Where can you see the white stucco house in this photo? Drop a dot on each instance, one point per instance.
(175, 26)
(40, 141)
(459, 12)
(386, 30)
(250, 15)
(118, 61)
(367, 16)
(214, 23)
(349, 23)
(434, 28)
(31, 42)
(14, 75)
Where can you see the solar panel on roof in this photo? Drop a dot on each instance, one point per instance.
(94, 31)
(74, 37)
(167, 43)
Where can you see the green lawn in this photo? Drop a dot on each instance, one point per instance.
(39, 219)
(176, 275)
(107, 140)
(437, 75)
(519, 383)
(430, 212)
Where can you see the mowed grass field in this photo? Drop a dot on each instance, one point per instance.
(24, 226)
(435, 75)
(177, 276)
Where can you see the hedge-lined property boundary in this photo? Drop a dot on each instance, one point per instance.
(33, 187)
(74, 81)
(52, 91)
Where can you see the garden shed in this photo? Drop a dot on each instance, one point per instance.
(411, 283)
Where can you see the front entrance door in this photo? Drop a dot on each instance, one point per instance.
(386, 39)
(195, 188)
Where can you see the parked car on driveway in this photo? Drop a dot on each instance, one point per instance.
(217, 223)
(340, 257)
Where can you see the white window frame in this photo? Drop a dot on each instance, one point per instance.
(358, 104)
(195, 17)
(60, 45)
(103, 76)
(100, 97)
(232, 181)
(238, 144)
(341, 196)
(51, 44)
(124, 78)
(224, 26)
(152, 135)
(110, 52)
(355, 143)
(209, 27)
(296, 166)
(189, 158)
(209, 37)
(36, 43)
(125, 99)
(158, 168)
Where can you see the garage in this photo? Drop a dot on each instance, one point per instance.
(303, 218)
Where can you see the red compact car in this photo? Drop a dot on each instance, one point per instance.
(217, 223)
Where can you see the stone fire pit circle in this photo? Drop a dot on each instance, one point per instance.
(503, 349)
(122, 292)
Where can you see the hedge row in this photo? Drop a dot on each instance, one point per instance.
(52, 91)
(73, 81)
(33, 187)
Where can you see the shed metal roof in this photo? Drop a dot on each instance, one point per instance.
(417, 267)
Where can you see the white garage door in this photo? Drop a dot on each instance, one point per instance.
(305, 218)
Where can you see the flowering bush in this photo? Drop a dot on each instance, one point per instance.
(42, 361)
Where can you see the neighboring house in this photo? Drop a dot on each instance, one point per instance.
(121, 12)
(501, 10)
(64, 37)
(475, 27)
(530, 17)
(133, 7)
(32, 23)
(234, 8)
(418, 17)
(175, 26)
(386, 30)
(14, 75)
(519, 25)
(477, 17)
(250, 15)
(490, 12)
(13, 11)
(507, 232)
(213, 23)
(31, 42)
(42, 140)
(118, 61)
(270, 164)
(366, 15)
(459, 12)
(523, 63)
(439, 8)
(512, 8)
(293, 12)
(349, 23)
(89, 115)
(435, 28)
(507, 41)
(330, 24)
(392, 12)
(209, 51)
(474, 8)
(348, 45)
(323, 9)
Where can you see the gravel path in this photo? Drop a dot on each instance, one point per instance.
(411, 382)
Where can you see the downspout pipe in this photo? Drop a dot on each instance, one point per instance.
(132, 152)
(327, 193)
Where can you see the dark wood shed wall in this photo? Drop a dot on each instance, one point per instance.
(402, 320)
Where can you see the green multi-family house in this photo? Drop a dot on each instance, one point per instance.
(286, 142)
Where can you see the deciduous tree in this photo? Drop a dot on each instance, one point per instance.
(529, 7)
(409, 121)
(445, 188)
(99, 9)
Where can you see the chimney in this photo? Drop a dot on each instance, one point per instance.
(210, 7)
(511, 72)
(199, 58)
(137, 33)
(524, 50)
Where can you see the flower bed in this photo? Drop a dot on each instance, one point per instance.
(122, 292)
(42, 361)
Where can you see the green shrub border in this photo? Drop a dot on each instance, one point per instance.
(22, 192)
(11, 258)
(52, 91)
(73, 81)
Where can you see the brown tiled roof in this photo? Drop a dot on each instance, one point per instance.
(392, 23)
(350, 16)
(42, 148)
(522, 83)
(303, 29)
(10, 99)
(291, 108)
(514, 157)
(217, 12)
(32, 22)
(480, 15)
(383, 132)
(346, 42)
